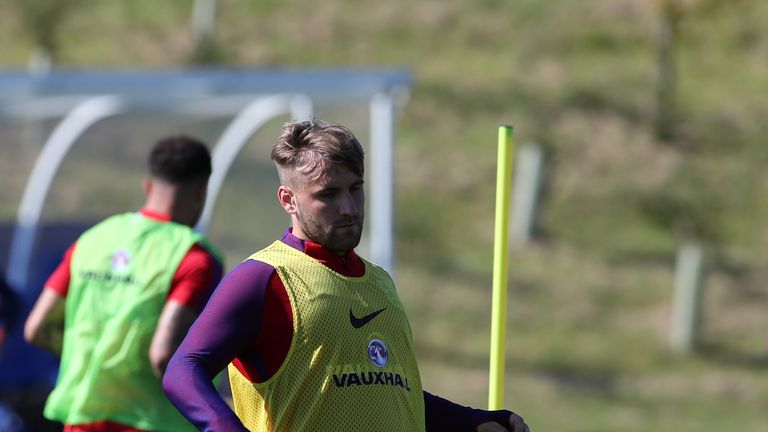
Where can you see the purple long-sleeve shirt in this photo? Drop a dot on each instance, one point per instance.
(224, 330)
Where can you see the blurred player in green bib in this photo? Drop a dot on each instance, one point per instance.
(124, 296)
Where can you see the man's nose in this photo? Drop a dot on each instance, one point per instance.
(348, 205)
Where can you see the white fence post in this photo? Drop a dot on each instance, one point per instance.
(525, 193)
(687, 299)
(203, 19)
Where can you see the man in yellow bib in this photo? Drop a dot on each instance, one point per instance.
(314, 336)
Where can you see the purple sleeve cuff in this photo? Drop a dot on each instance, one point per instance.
(442, 415)
(227, 325)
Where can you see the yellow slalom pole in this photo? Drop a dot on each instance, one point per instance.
(500, 268)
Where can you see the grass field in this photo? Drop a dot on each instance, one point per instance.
(589, 302)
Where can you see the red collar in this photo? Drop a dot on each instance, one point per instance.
(162, 217)
(348, 264)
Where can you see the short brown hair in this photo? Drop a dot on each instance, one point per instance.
(180, 159)
(305, 146)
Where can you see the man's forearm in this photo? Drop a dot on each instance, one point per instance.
(442, 414)
(190, 388)
(50, 337)
(225, 327)
(44, 326)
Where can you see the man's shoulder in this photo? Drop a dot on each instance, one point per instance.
(205, 248)
(269, 253)
(199, 253)
(106, 224)
(249, 275)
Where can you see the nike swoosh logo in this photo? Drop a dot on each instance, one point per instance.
(359, 322)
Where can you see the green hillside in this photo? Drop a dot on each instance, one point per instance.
(590, 299)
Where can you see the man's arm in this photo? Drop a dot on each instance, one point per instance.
(195, 279)
(442, 415)
(175, 320)
(228, 324)
(45, 325)
(513, 423)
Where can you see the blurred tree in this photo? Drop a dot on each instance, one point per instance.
(671, 14)
(685, 208)
(691, 207)
(206, 50)
(42, 20)
(667, 34)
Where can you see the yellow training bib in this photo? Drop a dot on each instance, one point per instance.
(351, 365)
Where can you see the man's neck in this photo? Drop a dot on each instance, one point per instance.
(348, 264)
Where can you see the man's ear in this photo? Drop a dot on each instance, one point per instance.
(285, 196)
(147, 186)
(201, 189)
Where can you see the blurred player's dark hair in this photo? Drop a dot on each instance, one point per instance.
(180, 159)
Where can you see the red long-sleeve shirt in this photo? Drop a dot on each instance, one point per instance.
(193, 282)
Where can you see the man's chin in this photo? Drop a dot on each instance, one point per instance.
(344, 244)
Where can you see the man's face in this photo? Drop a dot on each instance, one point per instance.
(329, 210)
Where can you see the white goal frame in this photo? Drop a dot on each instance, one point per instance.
(80, 99)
